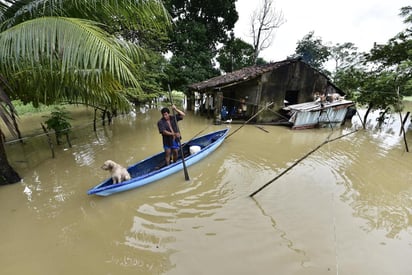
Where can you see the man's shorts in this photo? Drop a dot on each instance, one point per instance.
(175, 145)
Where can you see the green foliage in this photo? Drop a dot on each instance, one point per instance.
(349, 80)
(7, 110)
(381, 78)
(59, 122)
(198, 28)
(184, 70)
(52, 52)
(398, 49)
(152, 78)
(236, 54)
(177, 98)
(396, 55)
(312, 51)
(91, 66)
(379, 90)
(344, 55)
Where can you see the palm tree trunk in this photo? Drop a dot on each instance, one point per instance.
(7, 173)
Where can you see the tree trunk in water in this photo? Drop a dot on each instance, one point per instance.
(365, 117)
(7, 173)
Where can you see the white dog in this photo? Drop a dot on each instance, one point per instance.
(118, 172)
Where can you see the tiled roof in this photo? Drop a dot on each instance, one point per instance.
(239, 76)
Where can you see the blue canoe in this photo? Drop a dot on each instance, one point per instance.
(153, 168)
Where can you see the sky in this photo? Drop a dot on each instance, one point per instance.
(361, 22)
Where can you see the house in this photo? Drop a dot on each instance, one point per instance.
(244, 94)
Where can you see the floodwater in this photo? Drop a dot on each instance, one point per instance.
(346, 208)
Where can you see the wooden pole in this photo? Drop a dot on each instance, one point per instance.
(94, 120)
(68, 140)
(261, 110)
(403, 122)
(178, 140)
(261, 128)
(402, 131)
(298, 161)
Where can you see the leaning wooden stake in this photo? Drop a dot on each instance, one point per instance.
(261, 110)
(261, 128)
(298, 161)
(402, 131)
(68, 140)
(94, 120)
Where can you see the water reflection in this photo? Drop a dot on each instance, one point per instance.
(85, 155)
(388, 134)
(284, 235)
(377, 180)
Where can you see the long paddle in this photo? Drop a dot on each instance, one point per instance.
(178, 140)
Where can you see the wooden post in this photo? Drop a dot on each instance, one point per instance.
(261, 110)
(403, 122)
(403, 130)
(94, 120)
(48, 139)
(103, 117)
(218, 107)
(209, 98)
(68, 140)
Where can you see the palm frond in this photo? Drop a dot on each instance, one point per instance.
(150, 12)
(75, 44)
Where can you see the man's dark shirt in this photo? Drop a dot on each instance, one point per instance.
(163, 125)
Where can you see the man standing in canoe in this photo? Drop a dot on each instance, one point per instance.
(170, 132)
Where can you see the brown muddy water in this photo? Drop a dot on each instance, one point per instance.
(345, 209)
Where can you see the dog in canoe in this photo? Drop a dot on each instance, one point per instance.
(117, 172)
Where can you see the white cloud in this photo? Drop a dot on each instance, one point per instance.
(361, 22)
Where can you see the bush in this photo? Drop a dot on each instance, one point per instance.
(59, 122)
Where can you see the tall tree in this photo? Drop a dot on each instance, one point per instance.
(396, 55)
(398, 48)
(391, 65)
(312, 50)
(344, 55)
(349, 68)
(199, 26)
(379, 91)
(49, 51)
(263, 22)
(235, 54)
(384, 74)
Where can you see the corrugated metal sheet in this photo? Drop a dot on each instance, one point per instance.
(313, 114)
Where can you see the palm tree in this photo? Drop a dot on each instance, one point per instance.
(7, 111)
(52, 51)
